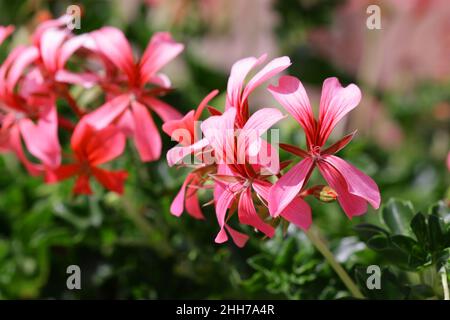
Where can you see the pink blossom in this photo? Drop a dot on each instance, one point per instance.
(129, 99)
(238, 181)
(30, 117)
(92, 148)
(353, 187)
(190, 144)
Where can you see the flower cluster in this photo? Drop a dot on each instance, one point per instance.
(227, 151)
(229, 156)
(35, 76)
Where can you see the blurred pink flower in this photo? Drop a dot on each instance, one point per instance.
(394, 56)
(353, 187)
(129, 99)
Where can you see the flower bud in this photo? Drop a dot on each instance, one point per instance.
(324, 193)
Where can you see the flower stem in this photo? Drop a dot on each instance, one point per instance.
(320, 245)
(445, 283)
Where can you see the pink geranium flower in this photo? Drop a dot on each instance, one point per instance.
(184, 131)
(31, 117)
(238, 178)
(353, 187)
(91, 149)
(129, 98)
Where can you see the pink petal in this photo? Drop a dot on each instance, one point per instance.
(262, 120)
(192, 204)
(23, 59)
(14, 144)
(87, 80)
(176, 154)
(291, 94)
(358, 182)
(160, 51)
(298, 212)
(5, 32)
(111, 180)
(271, 69)
(351, 204)
(41, 138)
(335, 102)
(105, 145)
(247, 214)
(224, 202)
(239, 238)
(219, 131)
(51, 41)
(108, 112)
(204, 103)
(288, 186)
(239, 72)
(160, 80)
(177, 206)
(70, 47)
(146, 135)
(112, 43)
(165, 111)
(181, 130)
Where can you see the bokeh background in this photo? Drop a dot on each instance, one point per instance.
(132, 247)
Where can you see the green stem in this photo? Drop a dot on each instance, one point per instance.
(153, 235)
(320, 245)
(443, 273)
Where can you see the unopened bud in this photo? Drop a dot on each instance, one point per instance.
(324, 193)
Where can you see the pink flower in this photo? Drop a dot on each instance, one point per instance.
(238, 178)
(129, 99)
(353, 187)
(184, 131)
(5, 32)
(238, 92)
(91, 149)
(30, 117)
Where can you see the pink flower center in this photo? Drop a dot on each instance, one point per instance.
(315, 153)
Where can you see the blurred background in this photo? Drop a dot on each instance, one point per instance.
(132, 247)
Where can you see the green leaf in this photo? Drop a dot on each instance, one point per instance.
(378, 242)
(420, 229)
(436, 233)
(367, 231)
(397, 216)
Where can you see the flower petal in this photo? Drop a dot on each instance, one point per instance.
(165, 111)
(239, 72)
(111, 180)
(288, 186)
(177, 153)
(160, 51)
(5, 32)
(351, 204)
(146, 135)
(219, 131)
(299, 213)
(335, 102)
(108, 112)
(41, 138)
(111, 42)
(105, 145)
(359, 184)
(271, 69)
(291, 94)
(247, 214)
